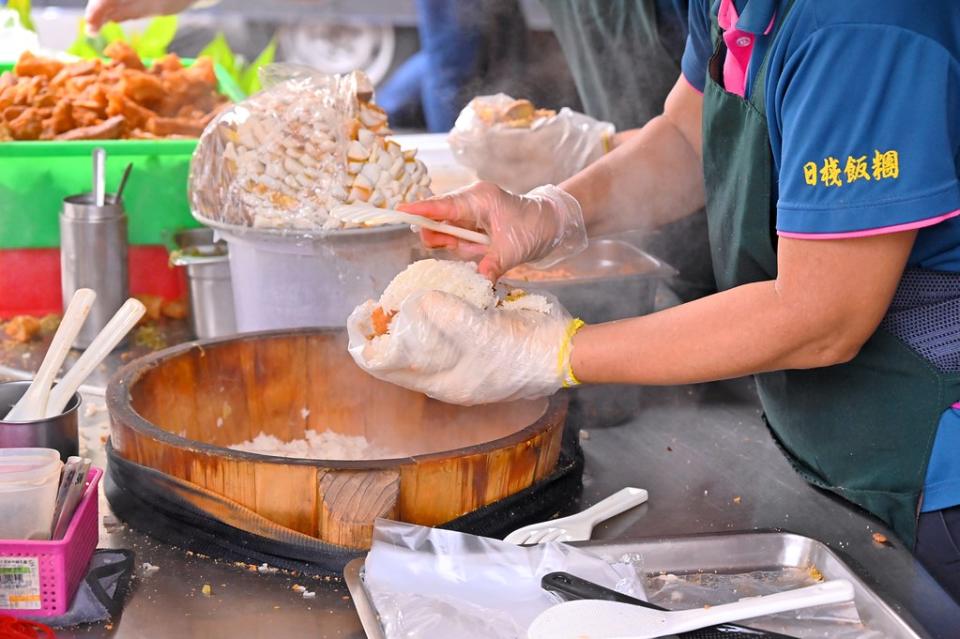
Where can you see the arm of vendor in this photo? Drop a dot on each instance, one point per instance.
(864, 155)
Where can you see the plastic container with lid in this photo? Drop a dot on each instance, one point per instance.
(29, 478)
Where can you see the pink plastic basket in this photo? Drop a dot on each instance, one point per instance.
(61, 564)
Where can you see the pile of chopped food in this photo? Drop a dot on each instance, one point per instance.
(514, 114)
(323, 444)
(47, 99)
(456, 278)
(288, 155)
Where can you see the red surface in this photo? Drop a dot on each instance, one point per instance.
(30, 279)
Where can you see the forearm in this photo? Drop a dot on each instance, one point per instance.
(652, 177)
(746, 330)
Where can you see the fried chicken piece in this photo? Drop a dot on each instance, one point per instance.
(136, 115)
(175, 126)
(142, 87)
(31, 65)
(22, 328)
(110, 129)
(28, 125)
(84, 68)
(123, 53)
(154, 304)
(175, 309)
(7, 80)
(61, 120)
(12, 113)
(169, 63)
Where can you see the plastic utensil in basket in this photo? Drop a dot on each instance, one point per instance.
(39, 578)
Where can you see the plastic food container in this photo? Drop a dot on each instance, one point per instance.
(29, 478)
(44, 575)
(289, 279)
(38, 174)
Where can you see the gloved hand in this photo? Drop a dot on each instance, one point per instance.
(543, 148)
(544, 226)
(100, 12)
(450, 350)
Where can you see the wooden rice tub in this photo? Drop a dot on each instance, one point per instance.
(178, 409)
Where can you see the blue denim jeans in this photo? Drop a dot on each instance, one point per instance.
(451, 34)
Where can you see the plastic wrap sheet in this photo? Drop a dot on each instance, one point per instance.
(283, 158)
(526, 151)
(838, 621)
(428, 583)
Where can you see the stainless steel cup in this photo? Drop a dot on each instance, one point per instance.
(93, 254)
(211, 293)
(60, 432)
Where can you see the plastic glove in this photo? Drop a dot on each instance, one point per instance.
(544, 226)
(544, 150)
(100, 12)
(448, 349)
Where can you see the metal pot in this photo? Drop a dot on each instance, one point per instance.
(211, 291)
(59, 432)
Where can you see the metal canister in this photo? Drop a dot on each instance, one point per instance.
(208, 271)
(93, 254)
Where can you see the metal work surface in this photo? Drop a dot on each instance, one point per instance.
(722, 553)
(702, 452)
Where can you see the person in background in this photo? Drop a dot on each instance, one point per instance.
(451, 39)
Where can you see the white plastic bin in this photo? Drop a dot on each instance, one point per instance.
(29, 478)
(290, 279)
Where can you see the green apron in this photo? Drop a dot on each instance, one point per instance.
(865, 429)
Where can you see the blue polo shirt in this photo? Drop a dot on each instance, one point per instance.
(863, 106)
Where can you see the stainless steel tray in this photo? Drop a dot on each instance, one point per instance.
(728, 553)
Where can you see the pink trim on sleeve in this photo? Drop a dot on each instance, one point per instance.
(896, 228)
(684, 76)
(957, 405)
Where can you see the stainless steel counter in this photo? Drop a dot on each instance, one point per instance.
(702, 452)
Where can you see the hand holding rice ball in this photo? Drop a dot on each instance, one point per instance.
(439, 328)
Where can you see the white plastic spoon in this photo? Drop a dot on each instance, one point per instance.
(118, 326)
(589, 619)
(33, 404)
(578, 527)
(369, 215)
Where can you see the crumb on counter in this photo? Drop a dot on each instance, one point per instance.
(22, 328)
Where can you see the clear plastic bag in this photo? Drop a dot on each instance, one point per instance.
(428, 583)
(520, 149)
(283, 158)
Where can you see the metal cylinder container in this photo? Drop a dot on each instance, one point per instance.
(59, 432)
(93, 254)
(211, 293)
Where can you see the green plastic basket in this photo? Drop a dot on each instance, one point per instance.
(36, 176)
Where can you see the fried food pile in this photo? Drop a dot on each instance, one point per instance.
(46, 99)
(514, 114)
(285, 157)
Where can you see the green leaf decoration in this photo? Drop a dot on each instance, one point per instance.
(22, 7)
(221, 53)
(83, 46)
(156, 37)
(250, 78)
